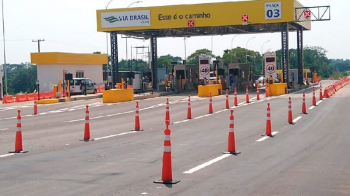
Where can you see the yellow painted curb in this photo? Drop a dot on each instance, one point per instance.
(47, 101)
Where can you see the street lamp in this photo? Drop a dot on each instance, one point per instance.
(262, 61)
(232, 45)
(246, 47)
(107, 33)
(134, 3)
(37, 86)
(3, 37)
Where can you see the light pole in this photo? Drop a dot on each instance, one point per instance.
(3, 37)
(246, 47)
(107, 33)
(185, 48)
(38, 40)
(262, 56)
(232, 45)
(134, 3)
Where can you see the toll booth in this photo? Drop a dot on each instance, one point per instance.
(239, 75)
(186, 77)
(293, 79)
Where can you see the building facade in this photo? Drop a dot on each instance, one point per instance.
(52, 67)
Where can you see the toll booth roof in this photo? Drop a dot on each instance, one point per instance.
(260, 16)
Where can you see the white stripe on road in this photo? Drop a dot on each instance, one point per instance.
(199, 167)
(312, 107)
(6, 155)
(202, 116)
(120, 134)
(318, 103)
(266, 137)
(178, 122)
(298, 118)
(4, 129)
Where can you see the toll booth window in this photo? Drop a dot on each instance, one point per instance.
(204, 62)
(271, 59)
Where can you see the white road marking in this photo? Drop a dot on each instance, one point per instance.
(266, 137)
(75, 120)
(220, 111)
(318, 103)
(178, 122)
(120, 134)
(199, 167)
(6, 155)
(4, 129)
(298, 118)
(312, 107)
(144, 193)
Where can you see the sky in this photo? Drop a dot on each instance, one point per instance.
(70, 26)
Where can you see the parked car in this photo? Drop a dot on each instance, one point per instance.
(77, 86)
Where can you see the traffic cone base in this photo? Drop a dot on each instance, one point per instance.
(166, 182)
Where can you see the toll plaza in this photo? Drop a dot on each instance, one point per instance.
(244, 17)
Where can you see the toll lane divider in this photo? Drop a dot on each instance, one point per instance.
(26, 97)
(332, 89)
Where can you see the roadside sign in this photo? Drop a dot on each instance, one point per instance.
(204, 71)
(270, 69)
(270, 60)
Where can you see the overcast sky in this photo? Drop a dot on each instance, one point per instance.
(70, 26)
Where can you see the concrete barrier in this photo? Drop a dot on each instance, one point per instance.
(47, 101)
(118, 95)
(204, 91)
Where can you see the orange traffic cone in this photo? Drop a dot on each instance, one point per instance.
(137, 118)
(304, 104)
(227, 102)
(167, 114)
(266, 91)
(257, 93)
(247, 94)
(18, 141)
(321, 96)
(167, 176)
(189, 110)
(231, 149)
(290, 114)
(268, 121)
(210, 104)
(313, 97)
(35, 108)
(87, 125)
(236, 100)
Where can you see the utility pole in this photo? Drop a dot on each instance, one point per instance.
(38, 40)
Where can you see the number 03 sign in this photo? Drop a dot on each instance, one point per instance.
(273, 10)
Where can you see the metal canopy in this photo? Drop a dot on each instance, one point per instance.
(207, 31)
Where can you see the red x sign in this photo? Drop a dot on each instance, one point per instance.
(190, 23)
(245, 18)
(307, 13)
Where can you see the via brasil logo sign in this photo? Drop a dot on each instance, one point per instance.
(111, 19)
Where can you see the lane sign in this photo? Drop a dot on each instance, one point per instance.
(273, 10)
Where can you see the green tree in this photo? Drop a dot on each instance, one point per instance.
(21, 78)
(242, 55)
(165, 61)
(194, 58)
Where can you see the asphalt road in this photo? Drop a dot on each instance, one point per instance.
(310, 157)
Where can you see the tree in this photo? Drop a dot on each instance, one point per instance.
(194, 58)
(165, 61)
(21, 78)
(242, 55)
